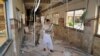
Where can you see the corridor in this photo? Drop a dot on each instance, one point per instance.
(64, 27)
(61, 48)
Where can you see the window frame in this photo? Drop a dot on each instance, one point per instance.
(74, 18)
(8, 42)
(97, 23)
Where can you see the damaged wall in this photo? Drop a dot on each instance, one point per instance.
(96, 43)
(72, 36)
(85, 40)
(17, 27)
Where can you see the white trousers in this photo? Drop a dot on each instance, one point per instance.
(47, 41)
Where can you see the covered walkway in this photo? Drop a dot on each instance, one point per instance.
(61, 48)
(75, 27)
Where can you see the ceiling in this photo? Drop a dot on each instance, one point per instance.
(29, 3)
(45, 4)
(42, 1)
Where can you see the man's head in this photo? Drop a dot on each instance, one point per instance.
(47, 20)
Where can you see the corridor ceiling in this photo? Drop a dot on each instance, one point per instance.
(45, 4)
(29, 3)
(42, 1)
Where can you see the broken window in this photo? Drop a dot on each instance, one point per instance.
(73, 19)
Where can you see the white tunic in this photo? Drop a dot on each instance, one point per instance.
(47, 37)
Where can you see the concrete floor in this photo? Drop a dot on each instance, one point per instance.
(60, 49)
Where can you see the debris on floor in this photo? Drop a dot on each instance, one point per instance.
(59, 50)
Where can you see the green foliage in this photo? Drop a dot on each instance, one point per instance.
(83, 16)
(71, 24)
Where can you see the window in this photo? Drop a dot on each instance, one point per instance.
(77, 21)
(70, 21)
(3, 28)
(73, 19)
(98, 30)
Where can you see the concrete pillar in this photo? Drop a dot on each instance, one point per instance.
(89, 29)
(13, 26)
(11, 23)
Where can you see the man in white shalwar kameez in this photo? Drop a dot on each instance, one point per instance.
(47, 39)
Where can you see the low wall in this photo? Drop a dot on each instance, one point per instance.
(74, 37)
(10, 51)
(96, 47)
